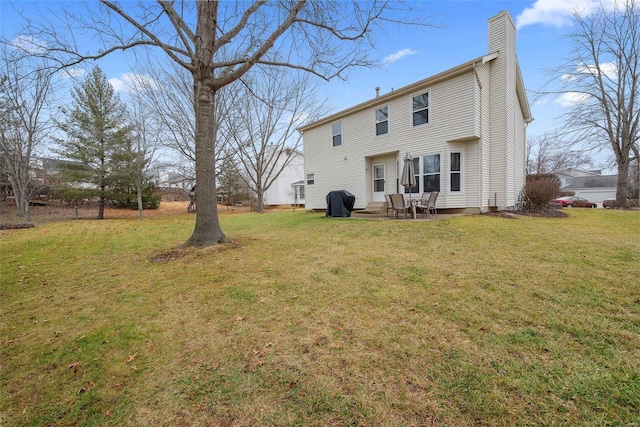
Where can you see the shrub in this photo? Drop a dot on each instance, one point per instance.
(127, 198)
(539, 190)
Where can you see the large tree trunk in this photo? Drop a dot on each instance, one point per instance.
(101, 202)
(622, 187)
(207, 231)
(21, 195)
(260, 196)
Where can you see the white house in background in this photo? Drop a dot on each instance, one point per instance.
(590, 184)
(464, 127)
(567, 175)
(288, 187)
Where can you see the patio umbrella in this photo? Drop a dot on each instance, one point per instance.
(408, 178)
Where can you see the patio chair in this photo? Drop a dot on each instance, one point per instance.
(397, 204)
(432, 203)
(387, 198)
(423, 204)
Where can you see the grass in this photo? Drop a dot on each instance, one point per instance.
(305, 320)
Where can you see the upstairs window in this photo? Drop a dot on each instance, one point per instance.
(421, 109)
(431, 173)
(456, 172)
(382, 120)
(311, 179)
(336, 133)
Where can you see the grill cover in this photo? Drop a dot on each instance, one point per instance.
(340, 203)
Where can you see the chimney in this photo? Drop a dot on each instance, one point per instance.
(377, 91)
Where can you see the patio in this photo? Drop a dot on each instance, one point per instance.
(381, 216)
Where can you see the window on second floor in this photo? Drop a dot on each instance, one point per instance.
(382, 120)
(336, 133)
(311, 179)
(421, 109)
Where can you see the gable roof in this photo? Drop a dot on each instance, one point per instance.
(445, 75)
(578, 172)
(599, 181)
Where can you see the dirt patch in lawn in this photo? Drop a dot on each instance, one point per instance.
(545, 213)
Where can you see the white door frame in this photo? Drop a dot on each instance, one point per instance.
(378, 196)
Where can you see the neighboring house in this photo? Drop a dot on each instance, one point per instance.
(289, 184)
(46, 171)
(589, 184)
(567, 175)
(166, 177)
(464, 127)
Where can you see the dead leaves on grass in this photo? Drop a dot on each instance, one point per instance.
(256, 356)
(182, 252)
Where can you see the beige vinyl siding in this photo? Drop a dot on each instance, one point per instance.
(348, 167)
(520, 153)
(484, 143)
(503, 111)
(469, 196)
(512, 107)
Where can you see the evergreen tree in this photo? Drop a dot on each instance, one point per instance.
(98, 139)
(230, 182)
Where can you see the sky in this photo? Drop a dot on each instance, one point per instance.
(408, 54)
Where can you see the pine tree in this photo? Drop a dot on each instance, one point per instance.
(98, 134)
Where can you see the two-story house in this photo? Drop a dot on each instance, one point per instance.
(465, 129)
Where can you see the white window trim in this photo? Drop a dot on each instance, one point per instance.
(428, 92)
(334, 135)
(375, 121)
(313, 175)
(449, 191)
(422, 174)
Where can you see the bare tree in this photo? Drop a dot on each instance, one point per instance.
(549, 154)
(168, 92)
(269, 109)
(603, 80)
(143, 147)
(26, 91)
(324, 38)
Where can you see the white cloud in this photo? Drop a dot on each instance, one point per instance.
(569, 99)
(28, 44)
(399, 54)
(72, 73)
(558, 13)
(609, 69)
(130, 82)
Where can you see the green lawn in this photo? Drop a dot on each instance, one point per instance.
(305, 320)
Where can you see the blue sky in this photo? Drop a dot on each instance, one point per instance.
(414, 53)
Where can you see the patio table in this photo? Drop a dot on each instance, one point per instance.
(412, 205)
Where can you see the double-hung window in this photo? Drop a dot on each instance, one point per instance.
(416, 170)
(421, 109)
(455, 172)
(311, 179)
(431, 173)
(336, 133)
(382, 120)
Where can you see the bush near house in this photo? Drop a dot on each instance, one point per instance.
(539, 190)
